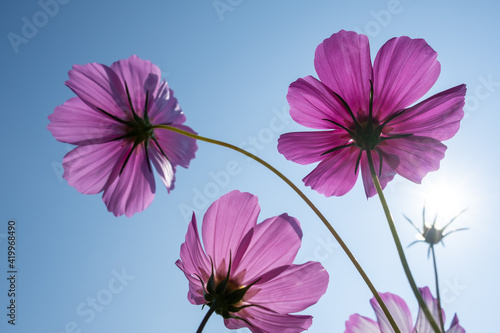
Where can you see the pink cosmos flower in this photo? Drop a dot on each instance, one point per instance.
(111, 121)
(402, 316)
(362, 109)
(245, 271)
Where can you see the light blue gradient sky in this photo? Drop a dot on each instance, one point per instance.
(231, 74)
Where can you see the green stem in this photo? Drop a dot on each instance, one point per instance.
(399, 247)
(441, 321)
(309, 203)
(205, 319)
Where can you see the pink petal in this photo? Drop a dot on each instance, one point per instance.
(295, 289)
(404, 70)
(274, 243)
(455, 327)
(195, 292)
(164, 108)
(359, 324)
(389, 163)
(194, 259)
(179, 148)
(163, 166)
(311, 102)
(399, 311)
(308, 147)
(99, 87)
(226, 223)
(437, 117)
(264, 321)
(76, 123)
(343, 64)
(422, 324)
(335, 174)
(88, 168)
(417, 155)
(133, 190)
(194, 262)
(140, 76)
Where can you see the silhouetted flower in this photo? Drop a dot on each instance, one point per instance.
(111, 121)
(362, 108)
(401, 314)
(430, 234)
(245, 270)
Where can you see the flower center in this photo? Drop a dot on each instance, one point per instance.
(432, 235)
(224, 295)
(140, 130)
(366, 134)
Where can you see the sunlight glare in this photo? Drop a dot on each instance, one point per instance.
(445, 198)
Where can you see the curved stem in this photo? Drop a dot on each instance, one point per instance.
(205, 319)
(309, 203)
(399, 247)
(441, 321)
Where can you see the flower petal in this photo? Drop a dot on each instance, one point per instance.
(417, 155)
(343, 63)
(163, 166)
(141, 76)
(422, 324)
(264, 321)
(437, 117)
(226, 223)
(180, 149)
(399, 311)
(404, 70)
(308, 147)
(359, 324)
(99, 87)
(194, 259)
(335, 174)
(76, 123)
(133, 190)
(311, 102)
(196, 292)
(88, 168)
(274, 243)
(194, 262)
(389, 163)
(164, 108)
(295, 289)
(455, 327)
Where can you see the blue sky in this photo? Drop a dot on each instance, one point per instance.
(80, 269)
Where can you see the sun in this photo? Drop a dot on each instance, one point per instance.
(445, 198)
